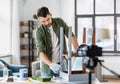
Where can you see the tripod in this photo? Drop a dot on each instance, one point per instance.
(100, 61)
(92, 63)
(90, 77)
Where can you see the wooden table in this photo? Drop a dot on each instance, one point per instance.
(53, 81)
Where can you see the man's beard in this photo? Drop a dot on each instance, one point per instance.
(49, 25)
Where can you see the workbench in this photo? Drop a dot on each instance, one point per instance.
(53, 81)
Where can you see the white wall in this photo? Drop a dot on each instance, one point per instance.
(31, 6)
(68, 12)
(16, 17)
(58, 8)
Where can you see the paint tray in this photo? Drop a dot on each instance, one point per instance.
(41, 79)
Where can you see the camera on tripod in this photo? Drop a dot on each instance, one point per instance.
(90, 54)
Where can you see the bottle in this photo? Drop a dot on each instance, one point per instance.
(23, 73)
(5, 72)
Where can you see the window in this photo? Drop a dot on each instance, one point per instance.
(118, 34)
(5, 27)
(86, 7)
(104, 15)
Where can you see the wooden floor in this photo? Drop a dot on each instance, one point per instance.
(111, 81)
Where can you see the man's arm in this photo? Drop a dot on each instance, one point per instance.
(53, 66)
(44, 58)
(75, 42)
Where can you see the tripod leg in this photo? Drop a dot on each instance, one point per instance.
(90, 78)
(109, 69)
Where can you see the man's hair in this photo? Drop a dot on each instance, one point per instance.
(42, 12)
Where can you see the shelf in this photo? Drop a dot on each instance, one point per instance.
(28, 49)
(25, 47)
(23, 23)
(26, 57)
(27, 43)
(23, 36)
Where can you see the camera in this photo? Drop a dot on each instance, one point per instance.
(89, 51)
(90, 54)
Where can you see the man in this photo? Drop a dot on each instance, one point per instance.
(48, 42)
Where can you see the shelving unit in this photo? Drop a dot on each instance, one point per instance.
(27, 44)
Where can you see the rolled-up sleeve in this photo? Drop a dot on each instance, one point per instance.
(39, 42)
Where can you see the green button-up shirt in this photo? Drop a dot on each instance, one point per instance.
(43, 39)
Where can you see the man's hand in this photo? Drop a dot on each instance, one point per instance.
(55, 67)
